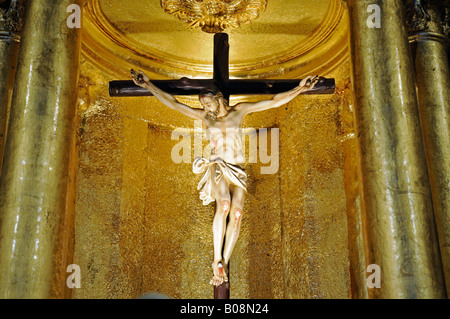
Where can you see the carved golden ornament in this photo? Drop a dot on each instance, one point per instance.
(11, 20)
(214, 16)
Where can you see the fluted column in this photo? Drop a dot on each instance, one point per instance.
(10, 28)
(35, 176)
(398, 208)
(430, 45)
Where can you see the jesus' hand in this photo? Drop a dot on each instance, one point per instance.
(309, 82)
(139, 78)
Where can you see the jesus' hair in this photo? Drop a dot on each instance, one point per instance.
(212, 91)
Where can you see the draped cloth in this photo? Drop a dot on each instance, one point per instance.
(213, 171)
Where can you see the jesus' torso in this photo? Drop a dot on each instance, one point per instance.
(225, 137)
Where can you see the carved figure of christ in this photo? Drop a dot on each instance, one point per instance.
(224, 180)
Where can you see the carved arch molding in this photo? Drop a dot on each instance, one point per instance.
(288, 39)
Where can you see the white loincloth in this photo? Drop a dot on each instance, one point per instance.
(213, 171)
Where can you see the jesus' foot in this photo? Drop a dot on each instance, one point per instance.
(220, 273)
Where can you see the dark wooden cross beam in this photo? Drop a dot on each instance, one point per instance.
(221, 80)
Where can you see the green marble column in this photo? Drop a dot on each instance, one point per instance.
(10, 28)
(34, 183)
(398, 209)
(430, 46)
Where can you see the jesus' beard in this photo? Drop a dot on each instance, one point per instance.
(213, 115)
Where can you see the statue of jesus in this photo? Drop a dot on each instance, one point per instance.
(224, 179)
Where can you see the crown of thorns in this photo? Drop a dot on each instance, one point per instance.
(211, 90)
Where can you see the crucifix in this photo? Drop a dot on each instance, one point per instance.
(223, 177)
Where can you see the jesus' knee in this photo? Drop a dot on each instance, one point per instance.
(236, 215)
(224, 207)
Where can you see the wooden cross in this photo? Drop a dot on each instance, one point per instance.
(221, 80)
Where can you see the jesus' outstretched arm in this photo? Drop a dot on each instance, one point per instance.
(279, 99)
(167, 99)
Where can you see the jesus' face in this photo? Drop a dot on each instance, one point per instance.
(209, 103)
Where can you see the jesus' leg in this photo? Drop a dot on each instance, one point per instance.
(222, 194)
(234, 224)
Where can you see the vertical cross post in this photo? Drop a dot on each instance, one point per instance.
(221, 74)
(222, 291)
